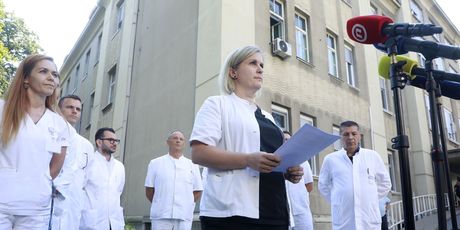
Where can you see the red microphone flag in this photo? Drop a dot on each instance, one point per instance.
(368, 29)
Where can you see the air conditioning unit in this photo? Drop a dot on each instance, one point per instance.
(281, 48)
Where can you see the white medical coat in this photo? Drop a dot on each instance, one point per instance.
(25, 164)
(354, 189)
(174, 181)
(228, 122)
(105, 183)
(70, 183)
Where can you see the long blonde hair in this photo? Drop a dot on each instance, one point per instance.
(234, 59)
(16, 100)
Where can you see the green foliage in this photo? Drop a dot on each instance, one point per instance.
(16, 43)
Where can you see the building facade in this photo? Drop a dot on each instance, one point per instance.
(144, 67)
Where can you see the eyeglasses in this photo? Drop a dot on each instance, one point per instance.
(111, 140)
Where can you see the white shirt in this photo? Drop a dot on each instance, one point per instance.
(105, 183)
(354, 189)
(174, 181)
(70, 183)
(228, 122)
(25, 164)
(298, 194)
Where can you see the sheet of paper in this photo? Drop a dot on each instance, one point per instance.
(303, 145)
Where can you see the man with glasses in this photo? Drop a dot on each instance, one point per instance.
(106, 179)
(68, 200)
(173, 185)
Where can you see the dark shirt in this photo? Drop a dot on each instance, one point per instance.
(273, 206)
(351, 157)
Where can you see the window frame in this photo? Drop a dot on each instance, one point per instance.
(450, 126)
(281, 111)
(305, 48)
(416, 11)
(392, 170)
(332, 50)
(350, 66)
(279, 19)
(338, 143)
(314, 161)
(111, 86)
(120, 15)
(87, 63)
(384, 94)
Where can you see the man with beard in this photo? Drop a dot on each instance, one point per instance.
(106, 179)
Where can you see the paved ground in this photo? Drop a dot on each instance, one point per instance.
(431, 222)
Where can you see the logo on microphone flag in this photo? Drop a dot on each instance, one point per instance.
(358, 32)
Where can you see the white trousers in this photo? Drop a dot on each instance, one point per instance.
(171, 224)
(35, 222)
(303, 221)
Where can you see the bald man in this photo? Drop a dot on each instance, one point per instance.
(173, 185)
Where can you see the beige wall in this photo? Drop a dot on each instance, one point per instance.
(168, 55)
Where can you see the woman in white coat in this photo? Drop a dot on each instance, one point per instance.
(33, 145)
(235, 140)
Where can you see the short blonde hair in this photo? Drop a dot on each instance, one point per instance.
(234, 59)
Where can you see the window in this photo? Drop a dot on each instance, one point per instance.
(276, 19)
(374, 10)
(384, 94)
(337, 143)
(301, 37)
(120, 15)
(314, 161)
(89, 111)
(349, 61)
(98, 47)
(438, 64)
(332, 55)
(450, 125)
(111, 85)
(427, 109)
(416, 11)
(87, 59)
(78, 124)
(75, 82)
(421, 60)
(392, 169)
(67, 87)
(451, 69)
(281, 116)
(448, 42)
(435, 36)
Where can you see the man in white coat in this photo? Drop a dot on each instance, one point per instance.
(353, 180)
(68, 204)
(173, 185)
(106, 179)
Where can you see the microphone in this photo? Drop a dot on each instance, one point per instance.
(428, 48)
(373, 29)
(449, 82)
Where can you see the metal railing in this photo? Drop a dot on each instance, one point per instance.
(423, 206)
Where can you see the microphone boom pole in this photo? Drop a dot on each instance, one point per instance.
(401, 141)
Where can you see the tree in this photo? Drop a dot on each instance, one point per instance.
(16, 43)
